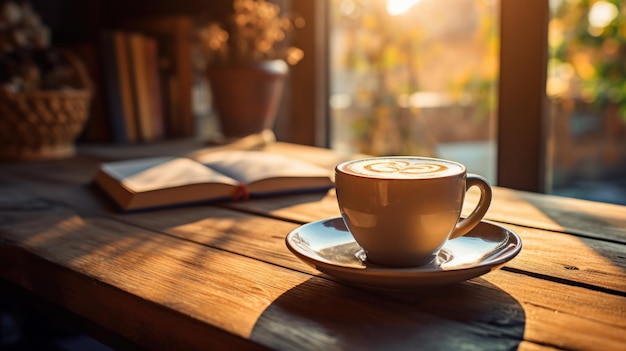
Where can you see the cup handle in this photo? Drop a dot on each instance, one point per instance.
(465, 225)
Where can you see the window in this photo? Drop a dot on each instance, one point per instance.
(415, 77)
(587, 94)
(399, 67)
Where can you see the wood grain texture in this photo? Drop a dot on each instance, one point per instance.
(575, 216)
(580, 217)
(221, 277)
(554, 255)
(225, 288)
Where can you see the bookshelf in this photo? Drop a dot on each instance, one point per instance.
(150, 33)
(79, 24)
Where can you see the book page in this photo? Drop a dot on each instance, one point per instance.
(251, 166)
(156, 173)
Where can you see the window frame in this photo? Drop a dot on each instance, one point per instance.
(522, 131)
(304, 115)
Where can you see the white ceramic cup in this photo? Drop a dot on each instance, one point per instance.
(402, 209)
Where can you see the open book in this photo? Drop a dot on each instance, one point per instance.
(218, 176)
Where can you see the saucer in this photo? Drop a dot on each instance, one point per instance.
(329, 247)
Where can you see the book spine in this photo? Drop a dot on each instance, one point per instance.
(112, 86)
(184, 72)
(140, 86)
(174, 34)
(154, 85)
(125, 84)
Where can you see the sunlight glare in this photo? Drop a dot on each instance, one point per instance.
(602, 13)
(347, 8)
(398, 7)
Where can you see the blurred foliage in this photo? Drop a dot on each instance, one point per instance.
(587, 50)
(257, 30)
(386, 57)
(480, 84)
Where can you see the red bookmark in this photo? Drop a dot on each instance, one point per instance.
(241, 193)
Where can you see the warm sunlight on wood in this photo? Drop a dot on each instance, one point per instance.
(275, 273)
(514, 205)
(55, 231)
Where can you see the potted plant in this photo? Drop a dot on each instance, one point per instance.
(247, 62)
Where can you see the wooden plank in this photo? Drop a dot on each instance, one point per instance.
(301, 209)
(586, 218)
(591, 265)
(528, 346)
(580, 327)
(75, 170)
(596, 264)
(100, 269)
(126, 268)
(578, 261)
(145, 322)
(600, 220)
(588, 269)
(582, 217)
(135, 274)
(86, 199)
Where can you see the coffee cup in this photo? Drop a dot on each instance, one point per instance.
(403, 209)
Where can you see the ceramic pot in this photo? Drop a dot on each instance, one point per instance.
(246, 97)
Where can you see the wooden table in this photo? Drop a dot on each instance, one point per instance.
(220, 276)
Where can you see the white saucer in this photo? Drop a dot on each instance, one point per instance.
(329, 247)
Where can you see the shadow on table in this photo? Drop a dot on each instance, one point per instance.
(574, 216)
(322, 315)
(595, 232)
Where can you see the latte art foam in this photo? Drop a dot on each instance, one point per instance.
(402, 168)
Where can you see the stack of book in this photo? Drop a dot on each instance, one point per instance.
(148, 80)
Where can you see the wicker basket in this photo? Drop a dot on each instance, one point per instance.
(44, 124)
